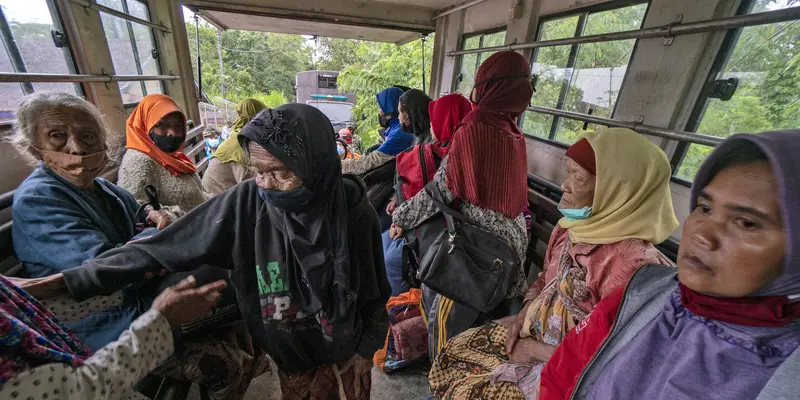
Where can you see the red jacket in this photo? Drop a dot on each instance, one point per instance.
(562, 371)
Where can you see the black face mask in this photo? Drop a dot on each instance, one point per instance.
(167, 144)
(383, 120)
(406, 128)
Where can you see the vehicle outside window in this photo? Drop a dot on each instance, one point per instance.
(340, 113)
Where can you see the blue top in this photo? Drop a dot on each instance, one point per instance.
(58, 226)
(396, 140)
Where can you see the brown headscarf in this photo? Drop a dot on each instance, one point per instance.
(487, 165)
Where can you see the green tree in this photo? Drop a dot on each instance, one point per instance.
(382, 65)
(337, 54)
(273, 99)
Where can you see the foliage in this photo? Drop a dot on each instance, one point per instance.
(377, 67)
(253, 62)
(271, 100)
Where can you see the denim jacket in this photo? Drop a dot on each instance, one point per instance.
(57, 226)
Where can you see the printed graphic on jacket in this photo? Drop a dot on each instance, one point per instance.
(277, 305)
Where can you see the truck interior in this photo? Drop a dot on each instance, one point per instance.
(673, 70)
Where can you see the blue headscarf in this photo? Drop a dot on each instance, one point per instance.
(396, 139)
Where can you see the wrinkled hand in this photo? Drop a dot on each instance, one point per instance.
(185, 302)
(392, 207)
(396, 232)
(514, 328)
(524, 352)
(363, 374)
(42, 288)
(161, 218)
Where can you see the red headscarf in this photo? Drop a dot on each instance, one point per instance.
(446, 114)
(487, 165)
(145, 116)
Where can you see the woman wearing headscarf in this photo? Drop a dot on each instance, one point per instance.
(485, 170)
(396, 139)
(228, 167)
(445, 114)
(414, 117)
(42, 359)
(304, 249)
(617, 206)
(727, 324)
(155, 134)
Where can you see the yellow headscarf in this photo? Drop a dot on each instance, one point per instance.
(229, 150)
(632, 197)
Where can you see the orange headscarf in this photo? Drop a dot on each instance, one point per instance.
(150, 110)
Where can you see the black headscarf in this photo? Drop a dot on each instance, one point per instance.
(415, 103)
(312, 218)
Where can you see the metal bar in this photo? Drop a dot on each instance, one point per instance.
(739, 21)
(196, 149)
(567, 81)
(202, 165)
(459, 8)
(194, 132)
(119, 14)
(134, 48)
(6, 200)
(690, 137)
(28, 77)
(13, 51)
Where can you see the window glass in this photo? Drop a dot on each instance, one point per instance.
(469, 64)
(766, 61)
(131, 46)
(583, 78)
(551, 66)
(31, 24)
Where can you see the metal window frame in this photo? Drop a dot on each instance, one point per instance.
(482, 36)
(14, 77)
(15, 56)
(580, 27)
(698, 111)
(108, 10)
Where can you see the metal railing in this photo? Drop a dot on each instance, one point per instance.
(666, 31)
(683, 136)
(17, 77)
(91, 4)
(459, 8)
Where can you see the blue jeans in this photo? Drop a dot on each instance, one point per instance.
(393, 257)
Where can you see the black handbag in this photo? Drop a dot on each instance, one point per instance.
(465, 262)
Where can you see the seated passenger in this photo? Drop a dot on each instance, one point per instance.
(445, 114)
(228, 167)
(63, 213)
(304, 248)
(616, 205)
(726, 324)
(396, 139)
(413, 115)
(485, 170)
(42, 359)
(155, 134)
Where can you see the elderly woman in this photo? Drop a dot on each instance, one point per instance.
(42, 359)
(304, 250)
(63, 213)
(616, 205)
(228, 166)
(155, 134)
(727, 324)
(490, 190)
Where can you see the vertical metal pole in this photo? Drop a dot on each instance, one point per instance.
(134, 48)
(13, 51)
(424, 89)
(199, 69)
(221, 72)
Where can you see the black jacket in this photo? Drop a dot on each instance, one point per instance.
(234, 231)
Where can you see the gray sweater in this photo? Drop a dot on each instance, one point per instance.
(139, 170)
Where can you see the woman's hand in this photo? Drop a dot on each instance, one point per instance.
(524, 352)
(515, 328)
(185, 302)
(362, 367)
(396, 232)
(42, 288)
(160, 219)
(392, 207)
